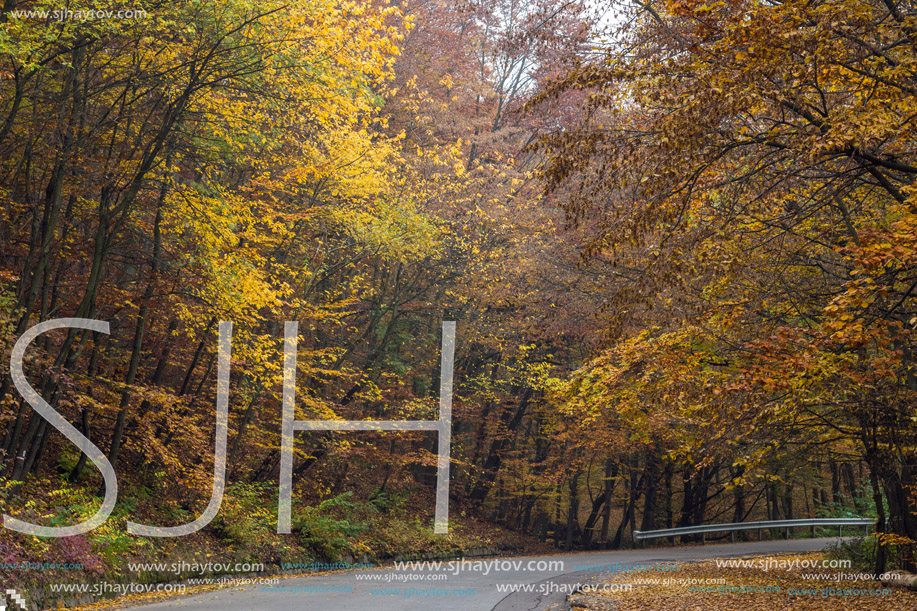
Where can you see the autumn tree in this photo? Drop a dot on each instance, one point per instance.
(750, 166)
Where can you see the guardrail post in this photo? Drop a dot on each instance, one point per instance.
(732, 536)
(813, 531)
(786, 532)
(703, 538)
(840, 531)
(759, 535)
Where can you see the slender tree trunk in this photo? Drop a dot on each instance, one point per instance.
(572, 510)
(84, 411)
(139, 330)
(12, 433)
(881, 550)
(667, 479)
(495, 455)
(650, 490)
(738, 495)
(611, 472)
(835, 484)
(633, 497)
(855, 492)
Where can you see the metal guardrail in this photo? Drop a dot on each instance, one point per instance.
(643, 535)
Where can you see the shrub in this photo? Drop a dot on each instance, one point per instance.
(327, 528)
(861, 551)
(245, 518)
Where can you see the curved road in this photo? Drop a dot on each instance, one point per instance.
(473, 587)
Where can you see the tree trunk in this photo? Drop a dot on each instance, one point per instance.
(140, 329)
(495, 455)
(572, 510)
(650, 489)
(881, 551)
(611, 472)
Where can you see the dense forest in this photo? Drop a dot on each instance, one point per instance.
(679, 241)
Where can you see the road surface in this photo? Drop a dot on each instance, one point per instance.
(469, 587)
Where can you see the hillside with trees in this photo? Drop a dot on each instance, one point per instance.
(679, 241)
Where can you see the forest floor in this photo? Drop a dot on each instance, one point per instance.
(242, 540)
(706, 585)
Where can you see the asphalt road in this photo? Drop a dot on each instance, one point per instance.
(472, 587)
